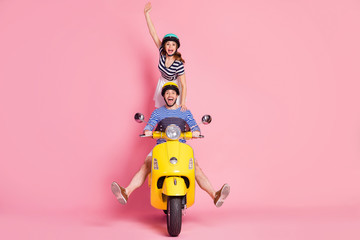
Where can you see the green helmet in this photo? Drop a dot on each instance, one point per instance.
(171, 37)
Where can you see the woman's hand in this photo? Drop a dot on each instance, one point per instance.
(147, 7)
(183, 107)
(150, 25)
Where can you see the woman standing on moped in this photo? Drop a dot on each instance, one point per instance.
(171, 64)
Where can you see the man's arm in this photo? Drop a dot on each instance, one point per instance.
(191, 122)
(153, 120)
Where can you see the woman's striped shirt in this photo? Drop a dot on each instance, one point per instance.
(171, 73)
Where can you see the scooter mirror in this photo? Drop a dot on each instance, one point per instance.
(139, 117)
(206, 119)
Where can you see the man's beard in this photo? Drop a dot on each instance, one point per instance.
(168, 104)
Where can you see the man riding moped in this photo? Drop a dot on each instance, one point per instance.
(165, 116)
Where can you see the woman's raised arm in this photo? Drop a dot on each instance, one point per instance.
(150, 25)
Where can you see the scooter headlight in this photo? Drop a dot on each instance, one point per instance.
(173, 132)
(173, 160)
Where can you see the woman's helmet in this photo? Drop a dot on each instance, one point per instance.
(170, 85)
(170, 37)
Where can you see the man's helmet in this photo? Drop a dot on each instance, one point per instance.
(170, 37)
(170, 85)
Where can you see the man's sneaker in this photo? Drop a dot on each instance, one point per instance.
(221, 195)
(119, 192)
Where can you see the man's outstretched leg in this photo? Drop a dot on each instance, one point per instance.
(122, 194)
(204, 183)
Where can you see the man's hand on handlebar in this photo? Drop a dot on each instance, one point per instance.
(196, 134)
(148, 133)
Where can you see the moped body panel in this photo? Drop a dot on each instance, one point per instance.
(162, 179)
(174, 186)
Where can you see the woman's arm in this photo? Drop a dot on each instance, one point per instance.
(150, 25)
(183, 92)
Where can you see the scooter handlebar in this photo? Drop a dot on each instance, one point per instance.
(200, 136)
(184, 135)
(143, 135)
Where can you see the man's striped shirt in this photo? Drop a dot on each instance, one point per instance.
(162, 112)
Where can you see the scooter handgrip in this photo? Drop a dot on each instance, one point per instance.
(143, 135)
(200, 136)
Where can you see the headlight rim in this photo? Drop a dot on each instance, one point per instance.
(175, 130)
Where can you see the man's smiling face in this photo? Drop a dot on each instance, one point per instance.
(170, 97)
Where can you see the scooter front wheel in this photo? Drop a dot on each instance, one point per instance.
(174, 215)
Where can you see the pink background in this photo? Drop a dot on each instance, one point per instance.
(280, 79)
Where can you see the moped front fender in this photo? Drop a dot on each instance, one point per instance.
(174, 186)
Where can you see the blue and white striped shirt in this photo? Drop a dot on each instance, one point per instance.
(162, 112)
(171, 73)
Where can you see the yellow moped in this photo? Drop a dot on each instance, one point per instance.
(172, 177)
